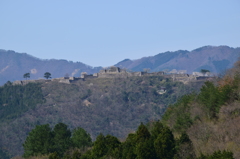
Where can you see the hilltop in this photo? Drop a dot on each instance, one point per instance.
(13, 65)
(216, 59)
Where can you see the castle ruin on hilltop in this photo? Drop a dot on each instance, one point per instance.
(116, 72)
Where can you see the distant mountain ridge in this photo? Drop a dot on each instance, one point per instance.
(13, 65)
(214, 58)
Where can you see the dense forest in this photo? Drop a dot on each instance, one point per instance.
(154, 141)
(108, 106)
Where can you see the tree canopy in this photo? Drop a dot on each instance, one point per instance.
(47, 75)
(81, 138)
(26, 75)
(38, 141)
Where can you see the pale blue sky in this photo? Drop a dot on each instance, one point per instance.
(104, 32)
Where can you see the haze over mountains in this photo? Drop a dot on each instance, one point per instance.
(214, 58)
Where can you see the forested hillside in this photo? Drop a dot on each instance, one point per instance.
(154, 141)
(109, 106)
(210, 118)
(200, 125)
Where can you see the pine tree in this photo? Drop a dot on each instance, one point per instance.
(165, 145)
(38, 141)
(142, 133)
(112, 144)
(128, 147)
(99, 149)
(80, 138)
(157, 129)
(61, 138)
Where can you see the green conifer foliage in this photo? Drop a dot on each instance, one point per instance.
(128, 147)
(38, 141)
(112, 144)
(144, 144)
(99, 149)
(209, 96)
(80, 138)
(61, 138)
(165, 145)
(142, 133)
(157, 129)
(145, 150)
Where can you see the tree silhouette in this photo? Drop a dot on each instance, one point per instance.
(47, 75)
(26, 75)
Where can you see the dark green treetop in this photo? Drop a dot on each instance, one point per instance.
(165, 144)
(38, 141)
(61, 138)
(26, 75)
(99, 148)
(47, 75)
(142, 133)
(80, 138)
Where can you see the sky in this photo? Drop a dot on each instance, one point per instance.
(102, 33)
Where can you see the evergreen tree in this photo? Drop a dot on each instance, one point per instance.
(165, 145)
(26, 75)
(61, 138)
(112, 144)
(209, 97)
(80, 138)
(47, 75)
(99, 149)
(142, 133)
(128, 147)
(38, 141)
(145, 149)
(157, 129)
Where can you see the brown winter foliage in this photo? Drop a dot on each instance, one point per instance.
(220, 132)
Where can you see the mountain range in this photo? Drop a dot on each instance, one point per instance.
(213, 58)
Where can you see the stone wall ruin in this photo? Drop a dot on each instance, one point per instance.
(116, 72)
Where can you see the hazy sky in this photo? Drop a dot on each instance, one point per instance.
(104, 32)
